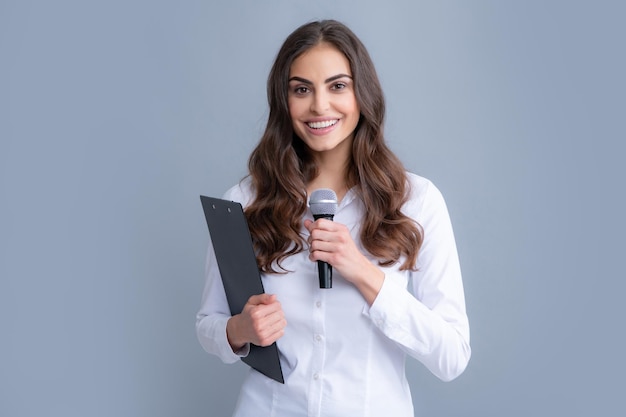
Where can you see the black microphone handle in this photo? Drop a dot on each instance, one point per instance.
(324, 270)
(325, 274)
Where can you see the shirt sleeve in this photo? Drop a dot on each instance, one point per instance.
(429, 323)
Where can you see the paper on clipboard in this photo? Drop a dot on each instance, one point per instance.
(236, 260)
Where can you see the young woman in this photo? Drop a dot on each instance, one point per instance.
(397, 287)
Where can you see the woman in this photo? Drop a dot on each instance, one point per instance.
(397, 286)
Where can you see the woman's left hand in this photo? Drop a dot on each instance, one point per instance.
(331, 242)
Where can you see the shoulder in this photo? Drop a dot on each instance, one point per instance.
(419, 187)
(242, 192)
(417, 183)
(423, 196)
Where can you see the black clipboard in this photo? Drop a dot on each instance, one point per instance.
(236, 260)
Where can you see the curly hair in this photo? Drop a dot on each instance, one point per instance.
(281, 165)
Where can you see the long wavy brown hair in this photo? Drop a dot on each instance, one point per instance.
(281, 165)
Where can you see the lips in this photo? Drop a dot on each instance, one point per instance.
(322, 124)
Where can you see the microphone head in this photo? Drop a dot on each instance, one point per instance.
(323, 202)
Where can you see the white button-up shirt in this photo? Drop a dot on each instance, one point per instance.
(339, 355)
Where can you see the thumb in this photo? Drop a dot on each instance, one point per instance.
(262, 299)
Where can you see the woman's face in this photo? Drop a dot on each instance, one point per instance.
(322, 104)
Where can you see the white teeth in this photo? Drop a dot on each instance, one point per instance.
(321, 125)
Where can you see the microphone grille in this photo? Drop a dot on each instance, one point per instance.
(323, 201)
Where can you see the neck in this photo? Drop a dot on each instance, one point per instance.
(330, 175)
(332, 169)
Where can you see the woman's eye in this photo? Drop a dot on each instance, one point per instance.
(300, 90)
(339, 86)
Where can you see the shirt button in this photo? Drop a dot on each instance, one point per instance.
(318, 304)
(316, 376)
(318, 337)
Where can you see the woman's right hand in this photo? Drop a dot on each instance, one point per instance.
(261, 323)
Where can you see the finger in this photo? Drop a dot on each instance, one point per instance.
(322, 245)
(259, 299)
(271, 338)
(266, 327)
(325, 224)
(272, 333)
(319, 255)
(276, 319)
(318, 224)
(262, 314)
(321, 235)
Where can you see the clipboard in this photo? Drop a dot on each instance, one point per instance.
(236, 260)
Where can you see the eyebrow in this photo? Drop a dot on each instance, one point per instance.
(326, 81)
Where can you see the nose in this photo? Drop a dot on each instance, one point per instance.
(320, 103)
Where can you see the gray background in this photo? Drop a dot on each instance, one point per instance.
(116, 115)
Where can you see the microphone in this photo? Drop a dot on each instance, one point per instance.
(323, 203)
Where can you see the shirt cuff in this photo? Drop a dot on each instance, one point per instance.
(379, 309)
(244, 351)
(395, 313)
